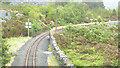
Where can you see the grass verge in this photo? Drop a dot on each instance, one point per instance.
(52, 61)
(15, 44)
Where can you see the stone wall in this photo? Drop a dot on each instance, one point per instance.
(61, 57)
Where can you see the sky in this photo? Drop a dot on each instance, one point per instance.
(111, 4)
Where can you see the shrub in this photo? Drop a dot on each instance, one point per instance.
(93, 44)
(13, 30)
(38, 28)
(5, 54)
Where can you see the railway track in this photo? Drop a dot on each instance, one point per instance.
(31, 53)
(30, 59)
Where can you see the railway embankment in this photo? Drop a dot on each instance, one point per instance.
(60, 55)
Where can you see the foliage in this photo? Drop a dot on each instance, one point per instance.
(0, 44)
(77, 14)
(95, 4)
(68, 12)
(114, 13)
(92, 33)
(13, 29)
(5, 54)
(96, 45)
(119, 12)
(43, 18)
(10, 46)
(61, 3)
(37, 29)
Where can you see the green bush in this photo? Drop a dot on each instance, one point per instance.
(38, 28)
(5, 54)
(13, 30)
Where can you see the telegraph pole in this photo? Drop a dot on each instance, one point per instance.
(56, 20)
(28, 28)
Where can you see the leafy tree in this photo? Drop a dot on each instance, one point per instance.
(95, 4)
(61, 3)
(119, 12)
(114, 13)
(6, 14)
(6, 3)
(68, 12)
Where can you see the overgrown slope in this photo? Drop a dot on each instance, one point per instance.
(95, 45)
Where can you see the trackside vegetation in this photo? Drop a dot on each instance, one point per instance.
(95, 45)
(43, 17)
(84, 46)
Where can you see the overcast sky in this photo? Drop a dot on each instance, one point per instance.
(111, 4)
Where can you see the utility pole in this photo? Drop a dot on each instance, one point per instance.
(56, 21)
(28, 28)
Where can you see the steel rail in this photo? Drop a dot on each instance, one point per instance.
(29, 50)
(35, 49)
